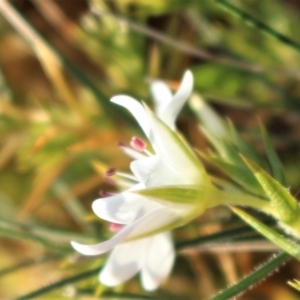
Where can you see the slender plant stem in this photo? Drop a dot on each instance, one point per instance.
(259, 274)
(59, 284)
(28, 263)
(191, 50)
(247, 18)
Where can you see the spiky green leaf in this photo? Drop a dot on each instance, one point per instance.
(286, 206)
(283, 242)
(273, 158)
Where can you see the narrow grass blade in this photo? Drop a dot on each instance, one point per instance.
(28, 263)
(227, 235)
(237, 173)
(34, 238)
(59, 284)
(283, 242)
(261, 26)
(273, 158)
(72, 204)
(125, 296)
(259, 274)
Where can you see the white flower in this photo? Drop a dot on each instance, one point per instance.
(135, 246)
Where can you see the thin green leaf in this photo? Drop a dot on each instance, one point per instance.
(286, 206)
(283, 242)
(72, 204)
(254, 277)
(28, 263)
(237, 173)
(34, 238)
(220, 145)
(243, 146)
(227, 235)
(126, 296)
(250, 20)
(59, 284)
(55, 234)
(273, 158)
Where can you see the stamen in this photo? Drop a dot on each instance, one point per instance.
(138, 144)
(121, 144)
(127, 176)
(105, 193)
(110, 172)
(109, 180)
(132, 153)
(114, 227)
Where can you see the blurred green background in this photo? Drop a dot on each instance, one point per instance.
(61, 61)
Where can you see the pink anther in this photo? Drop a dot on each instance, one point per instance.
(114, 227)
(121, 144)
(105, 193)
(110, 172)
(138, 144)
(109, 180)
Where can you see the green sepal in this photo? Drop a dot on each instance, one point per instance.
(282, 201)
(237, 172)
(288, 246)
(273, 158)
(187, 203)
(185, 194)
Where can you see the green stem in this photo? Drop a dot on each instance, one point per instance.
(259, 274)
(247, 18)
(59, 284)
(237, 198)
(292, 228)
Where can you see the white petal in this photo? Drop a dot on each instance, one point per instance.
(154, 221)
(162, 96)
(123, 208)
(159, 260)
(105, 246)
(164, 174)
(144, 225)
(123, 263)
(136, 109)
(171, 112)
(176, 157)
(142, 168)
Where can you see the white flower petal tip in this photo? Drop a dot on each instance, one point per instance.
(169, 112)
(162, 96)
(158, 267)
(188, 77)
(85, 249)
(120, 98)
(185, 89)
(136, 109)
